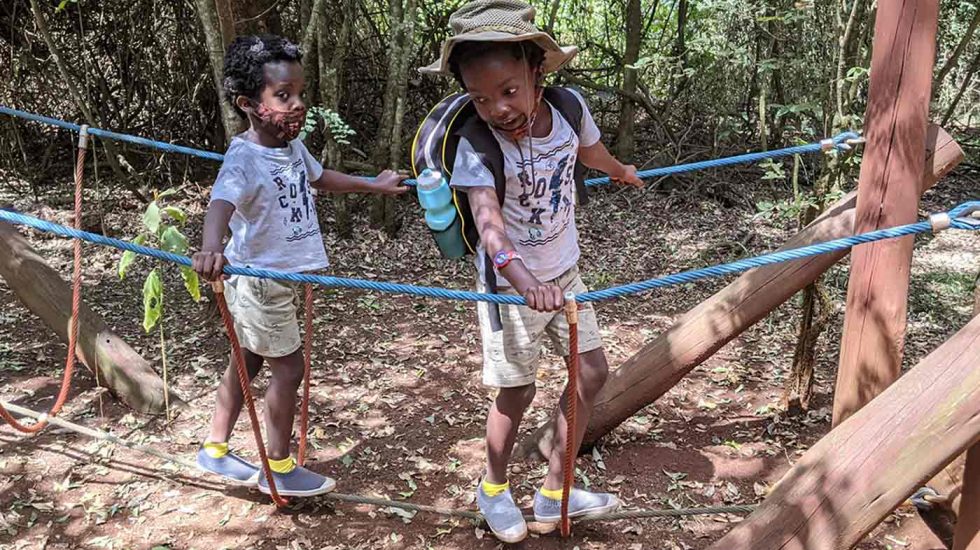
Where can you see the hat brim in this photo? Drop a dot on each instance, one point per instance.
(555, 56)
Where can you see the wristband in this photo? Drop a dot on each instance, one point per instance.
(503, 258)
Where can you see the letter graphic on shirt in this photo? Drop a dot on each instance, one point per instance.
(304, 193)
(555, 186)
(297, 216)
(280, 185)
(536, 216)
(526, 188)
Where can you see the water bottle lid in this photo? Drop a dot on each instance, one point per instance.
(429, 179)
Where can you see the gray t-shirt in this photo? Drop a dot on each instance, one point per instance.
(539, 205)
(274, 225)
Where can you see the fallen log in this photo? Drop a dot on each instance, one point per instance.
(42, 290)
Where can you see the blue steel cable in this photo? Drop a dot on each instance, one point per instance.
(839, 142)
(957, 215)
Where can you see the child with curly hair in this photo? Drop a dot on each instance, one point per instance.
(264, 195)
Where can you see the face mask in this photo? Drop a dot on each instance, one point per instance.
(287, 124)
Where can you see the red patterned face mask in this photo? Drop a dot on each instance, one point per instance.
(287, 124)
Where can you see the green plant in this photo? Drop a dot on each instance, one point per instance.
(161, 229)
(332, 122)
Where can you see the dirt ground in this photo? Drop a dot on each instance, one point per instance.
(397, 405)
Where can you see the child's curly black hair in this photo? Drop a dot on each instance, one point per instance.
(244, 61)
(467, 52)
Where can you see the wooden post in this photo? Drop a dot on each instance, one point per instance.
(967, 535)
(968, 523)
(941, 515)
(877, 295)
(700, 332)
(867, 466)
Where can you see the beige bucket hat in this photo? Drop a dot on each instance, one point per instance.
(499, 21)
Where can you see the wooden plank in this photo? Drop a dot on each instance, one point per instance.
(968, 523)
(703, 330)
(888, 195)
(867, 466)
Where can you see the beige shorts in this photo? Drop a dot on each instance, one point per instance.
(510, 354)
(264, 312)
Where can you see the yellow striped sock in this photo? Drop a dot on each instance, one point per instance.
(283, 466)
(216, 450)
(553, 494)
(494, 489)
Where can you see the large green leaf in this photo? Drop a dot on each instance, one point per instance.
(166, 193)
(151, 218)
(152, 300)
(172, 240)
(176, 213)
(191, 282)
(129, 257)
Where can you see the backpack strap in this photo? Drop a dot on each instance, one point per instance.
(570, 108)
(480, 137)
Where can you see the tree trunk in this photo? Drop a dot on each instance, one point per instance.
(43, 291)
(868, 465)
(388, 145)
(331, 78)
(216, 45)
(226, 21)
(958, 51)
(817, 306)
(257, 16)
(974, 65)
(693, 338)
(888, 195)
(310, 45)
(627, 113)
(112, 153)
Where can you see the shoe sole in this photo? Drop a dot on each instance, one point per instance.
(588, 512)
(323, 489)
(250, 482)
(509, 540)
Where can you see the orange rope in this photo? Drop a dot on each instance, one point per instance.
(304, 415)
(76, 301)
(568, 468)
(243, 380)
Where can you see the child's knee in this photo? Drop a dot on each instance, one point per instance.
(288, 370)
(515, 399)
(593, 372)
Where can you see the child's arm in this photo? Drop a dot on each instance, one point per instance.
(388, 182)
(209, 262)
(598, 157)
(490, 224)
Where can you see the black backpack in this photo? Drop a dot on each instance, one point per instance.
(454, 117)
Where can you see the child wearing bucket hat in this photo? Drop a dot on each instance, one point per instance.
(524, 210)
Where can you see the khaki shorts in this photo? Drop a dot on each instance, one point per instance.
(510, 354)
(264, 312)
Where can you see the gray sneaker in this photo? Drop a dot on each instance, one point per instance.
(580, 504)
(502, 515)
(231, 467)
(298, 483)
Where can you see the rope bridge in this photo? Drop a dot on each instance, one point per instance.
(962, 217)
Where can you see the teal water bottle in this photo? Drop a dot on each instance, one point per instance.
(440, 213)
